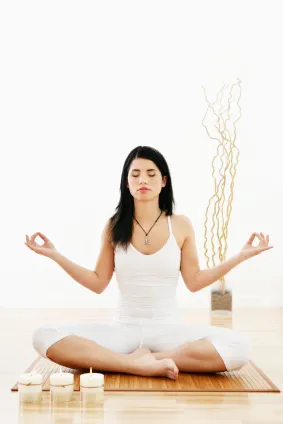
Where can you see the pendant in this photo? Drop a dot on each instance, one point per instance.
(146, 241)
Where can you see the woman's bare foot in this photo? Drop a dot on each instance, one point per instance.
(149, 366)
(141, 351)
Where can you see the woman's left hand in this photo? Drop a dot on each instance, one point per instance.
(248, 251)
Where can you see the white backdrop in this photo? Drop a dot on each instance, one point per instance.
(83, 83)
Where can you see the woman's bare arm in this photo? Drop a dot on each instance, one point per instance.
(98, 279)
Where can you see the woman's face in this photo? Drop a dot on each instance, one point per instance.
(144, 173)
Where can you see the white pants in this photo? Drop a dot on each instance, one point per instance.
(233, 347)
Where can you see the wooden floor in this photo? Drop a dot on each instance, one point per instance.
(264, 326)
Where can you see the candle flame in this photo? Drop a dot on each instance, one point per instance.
(91, 370)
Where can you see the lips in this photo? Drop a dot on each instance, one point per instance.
(143, 189)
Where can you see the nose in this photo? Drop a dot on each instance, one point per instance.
(142, 179)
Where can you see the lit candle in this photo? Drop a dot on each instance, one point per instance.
(92, 387)
(61, 386)
(30, 387)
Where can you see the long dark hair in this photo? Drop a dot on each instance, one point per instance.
(121, 223)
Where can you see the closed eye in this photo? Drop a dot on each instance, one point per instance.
(148, 174)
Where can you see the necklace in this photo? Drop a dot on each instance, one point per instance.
(146, 241)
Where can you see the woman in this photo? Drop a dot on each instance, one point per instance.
(147, 246)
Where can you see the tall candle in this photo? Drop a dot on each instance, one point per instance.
(61, 386)
(92, 387)
(30, 387)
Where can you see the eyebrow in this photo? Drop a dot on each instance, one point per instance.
(152, 169)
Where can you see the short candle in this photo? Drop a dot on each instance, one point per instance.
(30, 387)
(92, 387)
(61, 386)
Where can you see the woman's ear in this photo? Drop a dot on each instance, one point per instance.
(164, 181)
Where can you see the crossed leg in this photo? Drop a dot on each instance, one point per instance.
(200, 348)
(190, 348)
(197, 356)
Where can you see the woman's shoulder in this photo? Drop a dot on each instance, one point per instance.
(181, 220)
(182, 227)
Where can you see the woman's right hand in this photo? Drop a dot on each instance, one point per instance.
(46, 249)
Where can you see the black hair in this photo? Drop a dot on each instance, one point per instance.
(121, 223)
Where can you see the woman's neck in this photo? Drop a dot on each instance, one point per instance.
(146, 212)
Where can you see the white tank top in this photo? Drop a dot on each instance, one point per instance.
(147, 283)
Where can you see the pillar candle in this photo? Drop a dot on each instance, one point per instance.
(30, 387)
(92, 387)
(61, 386)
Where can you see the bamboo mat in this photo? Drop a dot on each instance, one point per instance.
(248, 379)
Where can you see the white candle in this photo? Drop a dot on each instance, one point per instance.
(30, 387)
(92, 387)
(61, 386)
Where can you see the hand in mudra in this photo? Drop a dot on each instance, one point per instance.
(46, 249)
(248, 251)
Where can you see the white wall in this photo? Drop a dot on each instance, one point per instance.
(84, 83)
